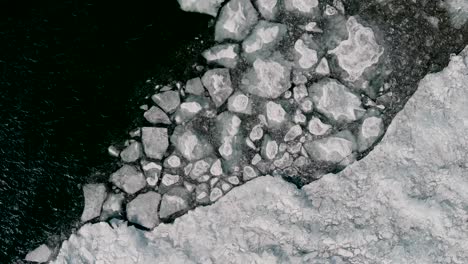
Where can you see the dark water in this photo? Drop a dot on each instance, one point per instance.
(72, 75)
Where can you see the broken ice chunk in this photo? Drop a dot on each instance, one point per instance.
(209, 7)
(129, 179)
(268, 8)
(225, 55)
(263, 39)
(152, 172)
(225, 186)
(256, 133)
(334, 149)
(275, 114)
(322, 68)
(294, 148)
(94, 195)
(200, 168)
(228, 125)
(299, 117)
(170, 180)
(293, 133)
(215, 194)
(113, 151)
(172, 162)
(240, 103)
(190, 145)
(189, 187)
(156, 116)
(256, 159)
(233, 180)
(269, 148)
(306, 56)
(359, 52)
(249, 173)
(369, 131)
(132, 153)
(317, 127)
(312, 27)
(285, 161)
(143, 210)
(335, 101)
(187, 111)
(218, 84)
(268, 78)
(155, 141)
(112, 207)
(235, 20)
(202, 192)
(309, 8)
(194, 86)
(216, 169)
(168, 101)
(306, 105)
(300, 92)
(174, 203)
(40, 254)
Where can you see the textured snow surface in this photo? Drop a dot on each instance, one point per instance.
(458, 10)
(406, 202)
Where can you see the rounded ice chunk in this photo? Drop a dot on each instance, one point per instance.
(268, 78)
(335, 101)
